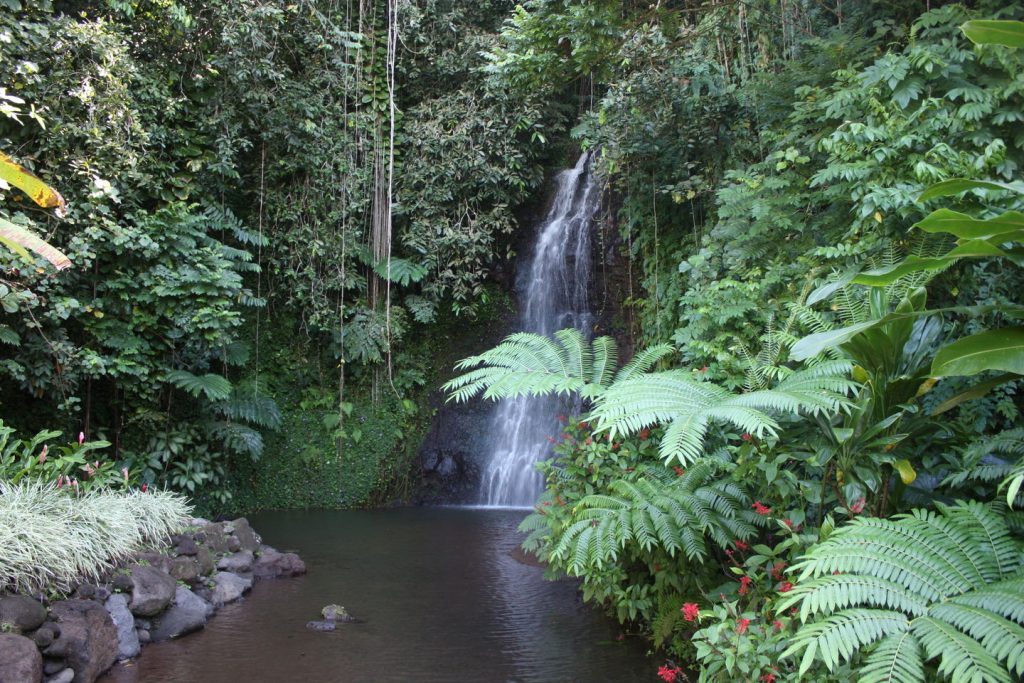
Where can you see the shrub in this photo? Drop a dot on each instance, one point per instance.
(50, 538)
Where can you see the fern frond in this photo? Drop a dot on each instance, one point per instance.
(214, 387)
(954, 576)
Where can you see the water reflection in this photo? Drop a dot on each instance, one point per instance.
(442, 598)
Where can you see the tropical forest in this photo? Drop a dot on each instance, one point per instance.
(475, 341)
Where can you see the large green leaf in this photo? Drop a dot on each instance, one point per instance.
(1001, 350)
(215, 387)
(967, 227)
(814, 344)
(995, 32)
(958, 185)
(880, 277)
(18, 239)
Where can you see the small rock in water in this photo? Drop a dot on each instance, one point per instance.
(325, 625)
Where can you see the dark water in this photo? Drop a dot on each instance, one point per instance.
(443, 600)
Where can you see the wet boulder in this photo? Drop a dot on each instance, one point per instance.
(238, 562)
(247, 538)
(20, 661)
(127, 637)
(88, 638)
(186, 614)
(152, 590)
(22, 612)
(229, 587)
(272, 564)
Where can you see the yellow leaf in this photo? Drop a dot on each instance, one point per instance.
(878, 216)
(41, 193)
(859, 374)
(906, 470)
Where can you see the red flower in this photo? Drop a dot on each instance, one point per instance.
(761, 509)
(777, 624)
(678, 470)
(785, 587)
(744, 585)
(145, 487)
(777, 570)
(857, 506)
(741, 545)
(690, 611)
(644, 434)
(583, 425)
(768, 678)
(588, 441)
(615, 446)
(741, 626)
(561, 418)
(746, 437)
(703, 369)
(667, 674)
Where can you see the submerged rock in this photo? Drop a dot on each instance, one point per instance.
(272, 564)
(325, 625)
(20, 661)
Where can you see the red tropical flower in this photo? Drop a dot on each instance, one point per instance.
(768, 677)
(690, 611)
(744, 585)
(785, 587)
(667, 674)
(741, 626)
(644, 434)
(741, 545)
(857, 506)
(678, 470)
(761, 509)
(777, 624)
(746, 436)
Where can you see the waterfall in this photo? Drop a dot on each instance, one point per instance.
(553, 295)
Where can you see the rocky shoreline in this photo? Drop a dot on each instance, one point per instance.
(156, 595)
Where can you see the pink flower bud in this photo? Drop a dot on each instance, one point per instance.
(124, 471)
(81, 438)
(42, 456)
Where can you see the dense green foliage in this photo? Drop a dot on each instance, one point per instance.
(804, 190)
(238, 172)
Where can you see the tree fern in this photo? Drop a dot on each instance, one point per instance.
(892, 595)
(214, 387)
(657, 511)
(688, 407)
(532, 364)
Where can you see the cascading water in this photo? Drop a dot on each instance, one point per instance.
(553, 292)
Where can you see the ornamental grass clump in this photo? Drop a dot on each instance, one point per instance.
(50, 539)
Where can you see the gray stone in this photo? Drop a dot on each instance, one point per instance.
(186, 546)
(44, 637)
(52, 667)
(272, 564)
(21, 612)
(184, 568)
(127, 640)
(65, 676)
(143, 636)
(245, 535)
(216, 538)
(123, 582)
(102, 593)
(206, 561)
(187, 614)
(199, 522)
(88, 639)
(234, 545)
(152, 590)
(239, 562)
(20, 661)
(229, 587)
(325, 625)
